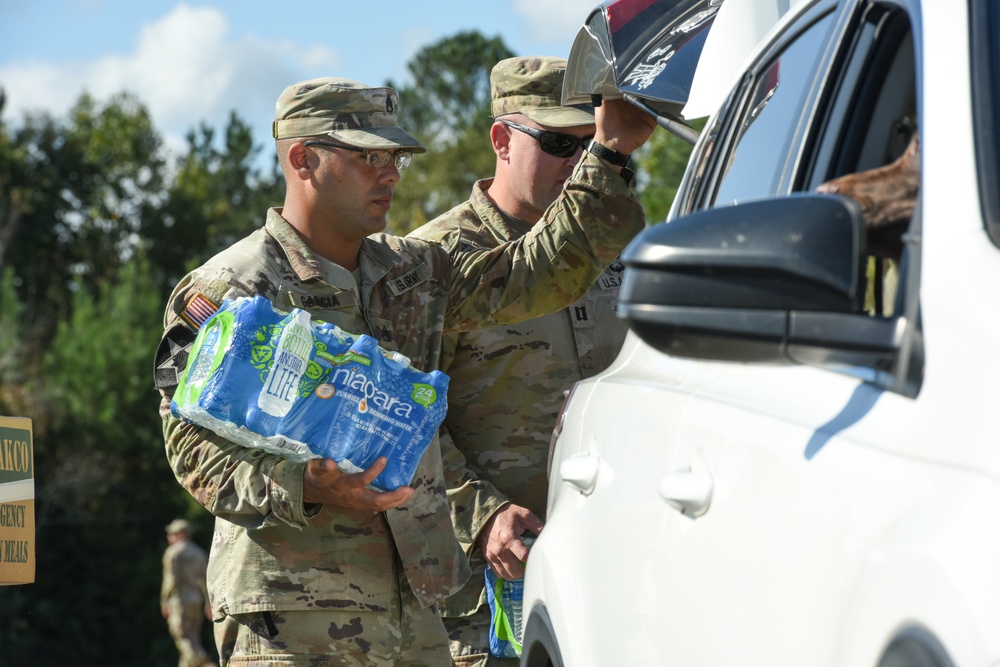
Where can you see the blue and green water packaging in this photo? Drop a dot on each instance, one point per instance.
(305, 388)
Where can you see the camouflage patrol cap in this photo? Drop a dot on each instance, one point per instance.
(533, 86)
(348, 111)
(178, 526)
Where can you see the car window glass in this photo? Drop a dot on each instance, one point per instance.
(985, 21)
(870, 122)
(770, 120)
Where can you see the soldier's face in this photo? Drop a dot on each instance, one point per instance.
(539, 177)
(357, 196)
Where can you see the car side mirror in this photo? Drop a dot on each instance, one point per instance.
(753, 282)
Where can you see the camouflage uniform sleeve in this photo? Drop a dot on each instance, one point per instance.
(167, 587)
(245, 486)
(472, 500)
(203, 582)
(553, 265)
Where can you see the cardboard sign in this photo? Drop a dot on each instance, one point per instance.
(17, 501)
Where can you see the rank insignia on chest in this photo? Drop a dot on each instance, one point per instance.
(382, 332)
(583, 314)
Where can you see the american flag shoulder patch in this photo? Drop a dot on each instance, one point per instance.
(198, 310)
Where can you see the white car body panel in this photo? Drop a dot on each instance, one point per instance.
(739, 27)
(896, 513)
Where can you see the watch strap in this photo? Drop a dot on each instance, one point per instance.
(612, 156)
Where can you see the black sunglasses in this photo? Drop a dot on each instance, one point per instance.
(553, 143)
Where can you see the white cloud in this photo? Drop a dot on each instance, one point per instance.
(179, 67)
(186, 68)
(37, 86)
(317, 57)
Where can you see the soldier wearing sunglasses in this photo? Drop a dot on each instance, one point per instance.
(507, 382)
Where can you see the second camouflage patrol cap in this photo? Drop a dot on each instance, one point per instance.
(348, 111)
(532, 86)
(178, 526)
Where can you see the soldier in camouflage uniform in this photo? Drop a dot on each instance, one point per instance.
(184, 595)
(309, 566)
(507, 382)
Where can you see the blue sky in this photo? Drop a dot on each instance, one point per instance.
(199, 60)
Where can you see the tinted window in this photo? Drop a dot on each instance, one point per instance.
(985, 23)
(771, 118)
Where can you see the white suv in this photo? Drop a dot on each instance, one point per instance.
(778, 470)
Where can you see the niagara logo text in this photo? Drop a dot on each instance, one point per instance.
(357, 381)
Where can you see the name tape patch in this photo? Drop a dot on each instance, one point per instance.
(409, 280)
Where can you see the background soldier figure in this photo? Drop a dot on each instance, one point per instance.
(184, 595)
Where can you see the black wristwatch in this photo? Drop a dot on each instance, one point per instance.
(613, 157)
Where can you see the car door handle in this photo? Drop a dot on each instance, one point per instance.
(689, 491)
(580, 471)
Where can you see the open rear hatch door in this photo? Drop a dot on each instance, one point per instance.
(654, 52)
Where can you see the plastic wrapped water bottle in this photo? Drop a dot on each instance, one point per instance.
(506, 600)
(304, 388)
(512, 599)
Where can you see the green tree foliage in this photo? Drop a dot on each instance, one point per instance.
(103, 491)
(662, 163)
(216, 197)
(448, 110)
(77, 191)
(13, 349)
(79, 320)
(15, 189)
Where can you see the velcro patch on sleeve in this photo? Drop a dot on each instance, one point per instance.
(172, 356)
(198, 310)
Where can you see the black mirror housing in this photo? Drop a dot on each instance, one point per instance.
(728, 283)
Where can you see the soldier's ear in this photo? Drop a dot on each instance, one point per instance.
(500, 138)
(301, 159)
